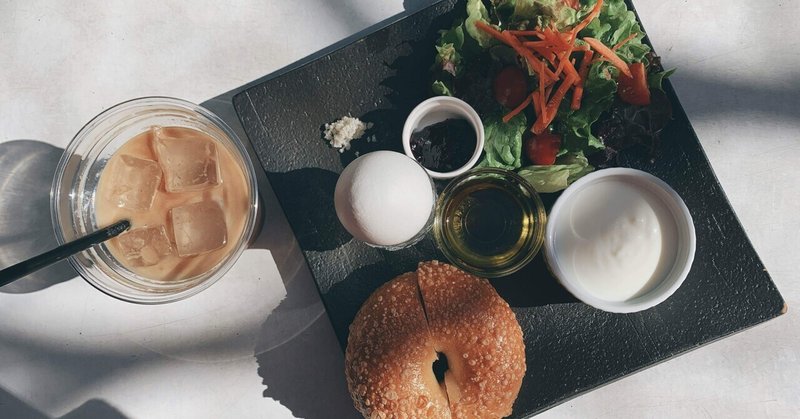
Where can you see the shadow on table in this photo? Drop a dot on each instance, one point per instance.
(94, 409)
(12, 407)
(296, 350)
(703, 97)
(306, 374)
(26, 228)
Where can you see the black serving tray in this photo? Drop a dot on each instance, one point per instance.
(571, 348)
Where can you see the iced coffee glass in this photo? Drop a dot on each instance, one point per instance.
(182, 177)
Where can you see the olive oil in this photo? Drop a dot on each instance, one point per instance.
(490, 222)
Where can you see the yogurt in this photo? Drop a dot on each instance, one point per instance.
(620, 240)
(615, 238)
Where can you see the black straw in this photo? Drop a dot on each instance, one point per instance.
(12, 273)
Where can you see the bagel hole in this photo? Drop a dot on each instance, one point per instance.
(440, 366)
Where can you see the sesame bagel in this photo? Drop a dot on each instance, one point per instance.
(403, 326)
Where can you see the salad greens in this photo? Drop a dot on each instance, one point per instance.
(476, 11)
(576, 126)
(495, 34)
(555, 177)
(503, 142)
(539, 12)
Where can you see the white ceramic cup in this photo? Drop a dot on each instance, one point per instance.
(684, 233)
(438, 109)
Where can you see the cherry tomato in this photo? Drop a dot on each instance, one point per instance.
(510, 87)
(634, 89)
(542, 149)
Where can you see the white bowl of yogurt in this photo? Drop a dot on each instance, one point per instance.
(620, 240)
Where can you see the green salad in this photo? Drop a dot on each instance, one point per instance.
(562, 86)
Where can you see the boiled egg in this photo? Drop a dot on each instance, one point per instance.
(384, 199)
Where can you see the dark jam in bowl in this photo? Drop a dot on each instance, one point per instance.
(444, 146)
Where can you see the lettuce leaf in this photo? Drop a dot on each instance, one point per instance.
(576, 126)
(543, 12)
(448, 59)
(476, 11)
(503, 142)
(441, 89)
(614, 24)
(655, 80)
(567, 169)
(448, 50)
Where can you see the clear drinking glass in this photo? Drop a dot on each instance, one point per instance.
(73, 194)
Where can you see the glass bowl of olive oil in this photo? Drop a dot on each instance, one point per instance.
(489, 222)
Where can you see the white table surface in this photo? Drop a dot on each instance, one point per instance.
(257, 344)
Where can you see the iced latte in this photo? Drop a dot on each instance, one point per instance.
(186, 197)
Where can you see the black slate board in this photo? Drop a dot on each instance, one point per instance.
(571, 347)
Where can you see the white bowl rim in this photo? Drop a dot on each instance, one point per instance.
(467, 111)
(683, 221)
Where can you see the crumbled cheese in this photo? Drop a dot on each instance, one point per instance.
(343, 131)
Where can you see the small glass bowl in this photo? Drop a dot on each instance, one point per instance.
(456, 215)
(72, 197)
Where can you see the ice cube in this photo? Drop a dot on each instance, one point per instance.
(198, 228)
(144, 246)
(134, 182)
(189, 163)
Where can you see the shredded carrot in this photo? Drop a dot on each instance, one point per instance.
(525, 33)
(567, 67)
(556, 99)
(552, 106)
(537, 107)
(515, 43)
(551, 57)
(548, 54)
(553, 37)
(563, 58)
(536, 44)
(545, 51)
(570, 38)
(539, 126)
(577, 94)
(542, 101)
(571, 70)
(624, 41)
(609, 55)
(545, 114)
(564, 64)
(518, 109)
(490, 30)
(535, 64)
